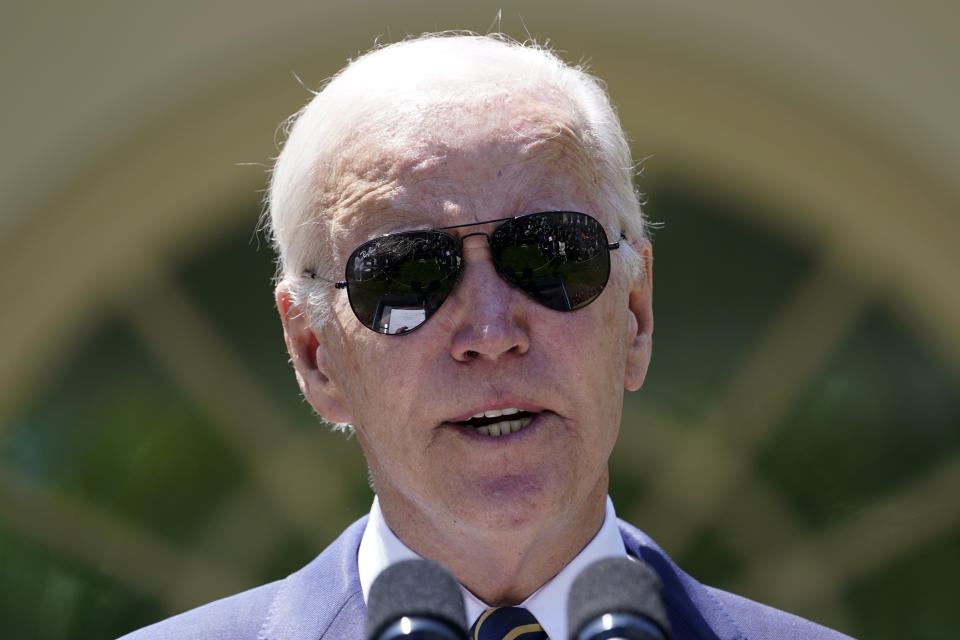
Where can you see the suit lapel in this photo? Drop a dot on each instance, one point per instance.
(693, 612)
(324, 599)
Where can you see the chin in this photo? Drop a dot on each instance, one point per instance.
(511, 503)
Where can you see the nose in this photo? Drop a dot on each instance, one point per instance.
(491, 322)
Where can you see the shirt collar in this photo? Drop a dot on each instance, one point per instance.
(380, 547)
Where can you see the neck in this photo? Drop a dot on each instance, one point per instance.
(500, 567)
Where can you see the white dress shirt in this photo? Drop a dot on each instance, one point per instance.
(380, 547)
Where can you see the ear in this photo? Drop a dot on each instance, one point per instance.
(309, 354)
(640, 335)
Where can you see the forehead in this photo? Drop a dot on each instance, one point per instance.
(451, 162)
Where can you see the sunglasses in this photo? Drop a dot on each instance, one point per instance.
(560, 259)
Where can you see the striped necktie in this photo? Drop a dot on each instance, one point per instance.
(507, 623)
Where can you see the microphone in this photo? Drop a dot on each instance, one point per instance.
(617, 599)
(415, 600)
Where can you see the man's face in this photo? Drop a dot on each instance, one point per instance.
(488, 347)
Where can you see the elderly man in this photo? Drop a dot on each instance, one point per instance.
(466, 283)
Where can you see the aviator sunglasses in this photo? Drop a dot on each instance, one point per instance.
(560, 259)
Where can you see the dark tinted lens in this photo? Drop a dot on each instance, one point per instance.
(398, 281)
(560, 259)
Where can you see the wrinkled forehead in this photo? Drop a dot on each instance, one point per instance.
(491, 154)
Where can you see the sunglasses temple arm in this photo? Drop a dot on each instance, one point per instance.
(616, 245)
(315, 276)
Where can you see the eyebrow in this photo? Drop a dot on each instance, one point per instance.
(385, 219)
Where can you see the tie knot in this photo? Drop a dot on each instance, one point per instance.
(507, 623)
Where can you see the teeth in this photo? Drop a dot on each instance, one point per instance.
(496, 413)
(505, 427)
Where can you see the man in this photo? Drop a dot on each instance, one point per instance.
(466, 283)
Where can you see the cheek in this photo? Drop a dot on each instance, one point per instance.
(351, 363)
(383, 381)
(609, 334)
(593, 354)
(603, 365)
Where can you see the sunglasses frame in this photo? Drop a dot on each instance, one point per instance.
(344, 284)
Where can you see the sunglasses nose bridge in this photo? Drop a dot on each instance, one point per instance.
(464, 237)
(472, 252)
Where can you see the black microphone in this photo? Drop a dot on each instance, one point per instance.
(415, 600)
(617, 599)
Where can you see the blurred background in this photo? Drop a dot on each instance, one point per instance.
(798, 437)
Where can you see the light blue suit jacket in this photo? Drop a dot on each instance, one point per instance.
(323, 601)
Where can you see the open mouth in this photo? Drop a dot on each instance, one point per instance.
(499, 422)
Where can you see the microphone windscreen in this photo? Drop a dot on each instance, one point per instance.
(414, 588)
(616, 585)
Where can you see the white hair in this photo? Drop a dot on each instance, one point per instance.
(430, 70)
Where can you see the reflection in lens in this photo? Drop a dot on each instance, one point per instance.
(398, 281)
(560, 259)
